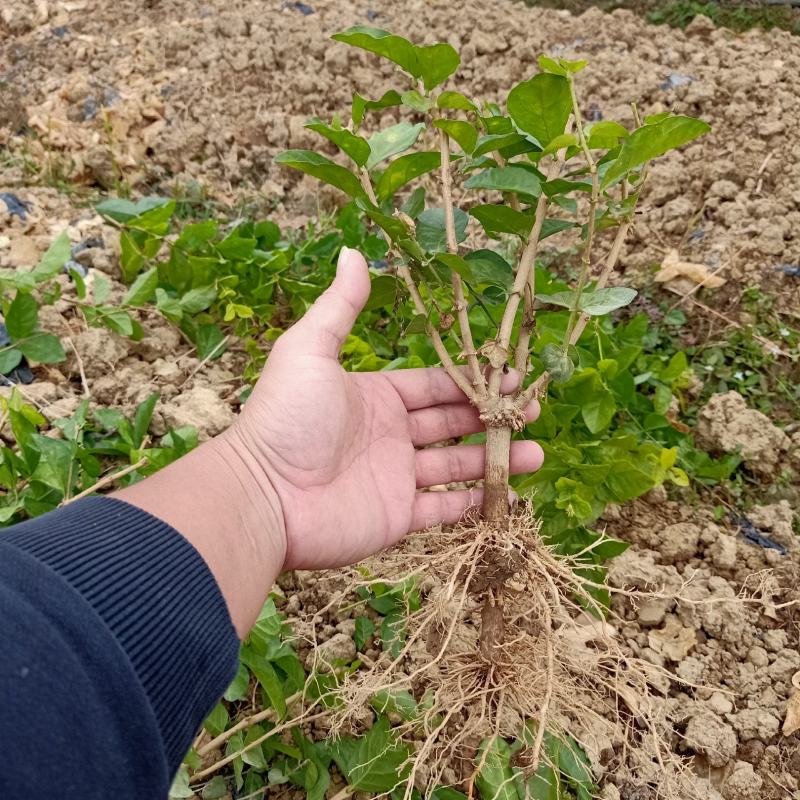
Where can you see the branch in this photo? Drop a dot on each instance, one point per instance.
(586, 258)
(460, 303)
(108, 479)
(523, 285)
(419, 304)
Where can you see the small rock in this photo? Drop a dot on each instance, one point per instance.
(725, 190)
(726, 423)
(100, 352)
(724, 552)
(758, 656)
(201, 407)
(679, 542)
(707, 734)
(755, 723)
(652, 612)
(743, 783)
(720, 703)
(340, 648)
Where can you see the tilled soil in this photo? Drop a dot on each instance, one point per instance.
(169, 93)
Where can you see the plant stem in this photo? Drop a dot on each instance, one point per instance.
(495, 489)
(586, 258)
(460, 303)
(419, 304)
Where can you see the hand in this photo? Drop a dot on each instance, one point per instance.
(339, 450)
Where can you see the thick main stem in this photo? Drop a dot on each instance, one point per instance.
(495, 487)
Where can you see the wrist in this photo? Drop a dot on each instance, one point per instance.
(218, 499)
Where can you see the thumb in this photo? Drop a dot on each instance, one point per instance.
(327, 323)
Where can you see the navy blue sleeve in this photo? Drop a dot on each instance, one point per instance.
(115, 642)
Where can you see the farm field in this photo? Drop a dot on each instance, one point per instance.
(166, 248)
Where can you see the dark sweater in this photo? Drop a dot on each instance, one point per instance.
(115, 642)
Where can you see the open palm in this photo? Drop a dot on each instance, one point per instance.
(341, 449)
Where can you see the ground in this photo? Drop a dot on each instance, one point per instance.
(194, 98)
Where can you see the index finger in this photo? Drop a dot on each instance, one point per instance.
(431, 386)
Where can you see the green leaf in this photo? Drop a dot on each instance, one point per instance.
(456, 101)
(268, 679)
(431, 232)
(497, 219)
(55, 468)
(374, 762)
(209, 341)
(362, 105)
(603, 301)
(432, 64)
(456, 264)
(53, 260)
(125, 210)
(557, 362)
(217, 720)
(506, 179)
(462, 132)
(489, 267)
(598, 410)
(391, 141)
(323, 169)
(239, 685)
(414, 204)
(180, 786)
(654, 140)
(22, 318)
(541, 106)
(44, 348)
(142, 418)
(564, 140)
(131, 259)
(384, 291)
(142, 289)
(552, 226)
(355, 146)
(197, 300)
(405, 169)
(395, 701)
(365, 627)
(417, 102)
(215, 788)
(495, 781)
(9, 359)
(605, 134)
(154, 220)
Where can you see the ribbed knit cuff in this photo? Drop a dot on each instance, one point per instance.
(158, 598)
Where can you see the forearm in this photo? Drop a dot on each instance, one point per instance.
(226, 508)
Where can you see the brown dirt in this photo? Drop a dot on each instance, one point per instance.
(208, 91)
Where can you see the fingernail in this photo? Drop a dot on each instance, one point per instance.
(343, 254)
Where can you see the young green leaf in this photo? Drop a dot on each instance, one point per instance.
(651, 141)
(197, 300)
(416, 101)
(405, 169)
(53, 260)
(456, 101)
(604, 301)
(375, 762)
(431, 232)
(323, 169)
(9, 359)
(365, 627)
(44, 348)
(432, 64)
(142, 289)
(489, 267)
(384, 291)
(391, 141)
(461, 132)
(557, 362)
(497, 219)
(541, 106)
(22, 318)
(605, 134)
(355, 146)
(495, 781)
(506, 179)
(395, 701)
(361, 105)
(456, 264)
